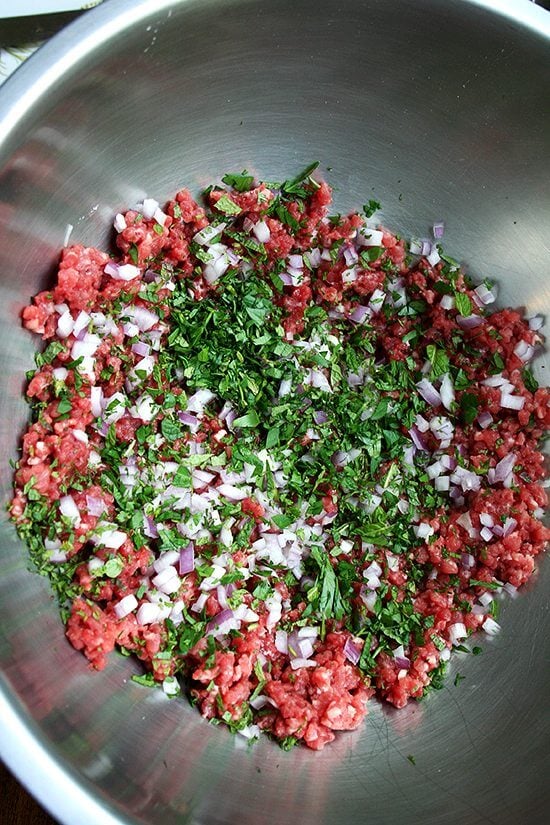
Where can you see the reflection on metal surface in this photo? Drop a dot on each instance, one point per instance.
(435, 109)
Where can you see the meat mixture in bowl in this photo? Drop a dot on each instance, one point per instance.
(282, 453)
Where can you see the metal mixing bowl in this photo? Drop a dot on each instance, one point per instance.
(438, 110)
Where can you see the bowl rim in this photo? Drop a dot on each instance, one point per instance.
(46, 774)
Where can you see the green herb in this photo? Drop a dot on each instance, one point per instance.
(241, 183)
(438, 359)
(463, 304)
(469, 405)
(370, 207)
(227, 206)
(529, 380)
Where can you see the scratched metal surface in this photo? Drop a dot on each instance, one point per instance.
(435, 109)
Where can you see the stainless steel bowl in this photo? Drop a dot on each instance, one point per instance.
(437, 109)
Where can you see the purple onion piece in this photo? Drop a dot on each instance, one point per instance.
(429, 392)
(187, 559)
(351, 651)
(188, 418)
(438, 230)
(150, 528)
(509, 526)
(320, 417)
(470, 321)
(484, 419)
(505, 467)
(402, 662)
(417, 439)
(360, 314)
(222, 622)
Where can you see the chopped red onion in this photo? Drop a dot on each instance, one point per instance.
(469, 321)
(231, 492)
(262, 701)
(349, 276)
(187, 559)
(68, 508)
(486, 534)
(369, 237)
(352, 651)
(408, 455)
(438, 230)
(262, 232)
(95, 506)
(281, 641)
(148, 613)
(484, 419)
(434, 257)
(523, 350)
(442, 484)
(465, 521)
(122, 272)
(509, 526)
(486, 519)
(198, 401)
(313, 257)
(87, 346)
(199, 604)
(150, 528)
(429, 392)
(504, 467)
(466, 478)
(125, 606)
(511, 402)
(319, 380)
(434, 470)
(497, 380)
(490, 626)
(423, 530)
(457, 632)
(296, 261)
(415, 246)
(81, 322)
(360, 314)
(376, 300)
(447, 302)
(190, 420)
(148, 208)
(484, 296)
(417, 439)
(350, 255)
(166, 559)
(222, 623)
(143, 318)
(449, 462)
(297, 663)
(320, 417)
(467, 560)
(119, 222)
(447, 392)
(402, 662)
(141, 348)
(422, 424)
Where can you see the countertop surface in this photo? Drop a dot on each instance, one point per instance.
(17, 807)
